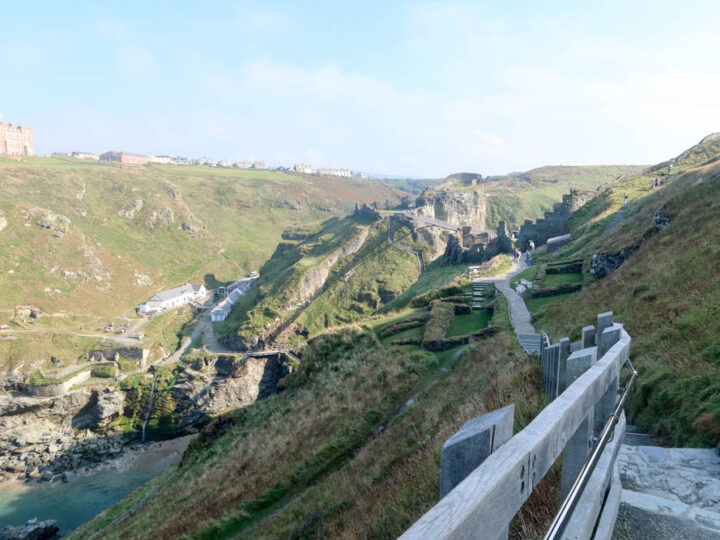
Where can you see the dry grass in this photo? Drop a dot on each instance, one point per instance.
(338, 455)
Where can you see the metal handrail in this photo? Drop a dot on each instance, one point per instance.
(563, 516)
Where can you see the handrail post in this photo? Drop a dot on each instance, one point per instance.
(578, 446)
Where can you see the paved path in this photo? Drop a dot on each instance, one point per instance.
(519, 314)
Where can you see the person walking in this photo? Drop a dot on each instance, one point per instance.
(626, 199)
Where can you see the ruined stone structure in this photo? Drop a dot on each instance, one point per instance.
(460, 200)
(16, 140)
(470, 248)
(554, 223)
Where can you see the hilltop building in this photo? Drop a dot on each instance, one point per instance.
(85, 155)
(16, 140)
(302, 168)
(162, 160)
(344, 173)
(180, 296)
(125, 157)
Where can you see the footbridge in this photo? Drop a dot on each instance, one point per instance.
(426, 221)
(487, 474)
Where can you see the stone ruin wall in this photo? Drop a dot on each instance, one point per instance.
(554, 223)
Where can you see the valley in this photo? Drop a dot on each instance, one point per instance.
(364, 343)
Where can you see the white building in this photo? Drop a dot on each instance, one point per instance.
(173, 298)
(344, 173)
(303, 168)
(162, 160)
(85, 155)
(234, 292)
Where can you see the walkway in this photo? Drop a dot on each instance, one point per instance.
(519, 314)
(616, 220)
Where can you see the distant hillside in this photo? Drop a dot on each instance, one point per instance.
(666, 289)
(334, 273)
(90, 241)
(528, 195)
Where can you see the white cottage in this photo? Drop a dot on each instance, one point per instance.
(180, 296)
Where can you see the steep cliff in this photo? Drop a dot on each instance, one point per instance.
(458, 205)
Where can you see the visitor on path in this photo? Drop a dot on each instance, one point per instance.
(626, 198)
(531, 244)
(528, 260)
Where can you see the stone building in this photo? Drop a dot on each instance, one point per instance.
(16, 140)
(125, 157)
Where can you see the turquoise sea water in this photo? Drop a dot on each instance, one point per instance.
(72, 504)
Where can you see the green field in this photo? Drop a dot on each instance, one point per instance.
(466, 324)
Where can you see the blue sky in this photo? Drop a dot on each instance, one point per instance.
(416, 88)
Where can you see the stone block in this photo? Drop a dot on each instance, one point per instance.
(472, 444)
(588, 337)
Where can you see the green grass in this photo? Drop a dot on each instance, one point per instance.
(528, 274)
(528, 195)
(340, 441)
(238, 209)
(552, 280)
(437, 274)
(466, 324)
(666, 295)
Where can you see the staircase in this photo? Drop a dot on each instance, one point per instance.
(479, 289)
(530, 342)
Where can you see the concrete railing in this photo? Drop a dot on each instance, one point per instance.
(487, 475)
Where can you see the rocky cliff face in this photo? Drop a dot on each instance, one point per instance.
(313, 280)
(49, 437)
(463, 206)
(43, 437)
(227, 382)
(459, 201)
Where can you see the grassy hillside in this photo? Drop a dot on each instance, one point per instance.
(92, 241)
(350, 450)
(336, 272)
(667, 293)
(520, 196)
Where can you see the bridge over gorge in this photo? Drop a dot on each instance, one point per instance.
(487, 473)
(426, 221)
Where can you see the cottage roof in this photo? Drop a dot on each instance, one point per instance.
(173, 293)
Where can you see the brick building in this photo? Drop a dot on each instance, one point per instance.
(16, 140)
(125, 157)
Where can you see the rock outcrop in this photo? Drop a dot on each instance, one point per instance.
(367, 212)
(32, 530)
(603, 264)
(465, 206)
(159, 217)
(44, 437)
(225, 382)
(57, 224)
(130, 211)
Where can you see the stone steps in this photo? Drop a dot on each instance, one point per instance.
(530, 342)
(668, 492)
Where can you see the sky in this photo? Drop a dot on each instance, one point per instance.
(404, 88)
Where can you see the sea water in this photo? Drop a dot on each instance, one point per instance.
(73, 503)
